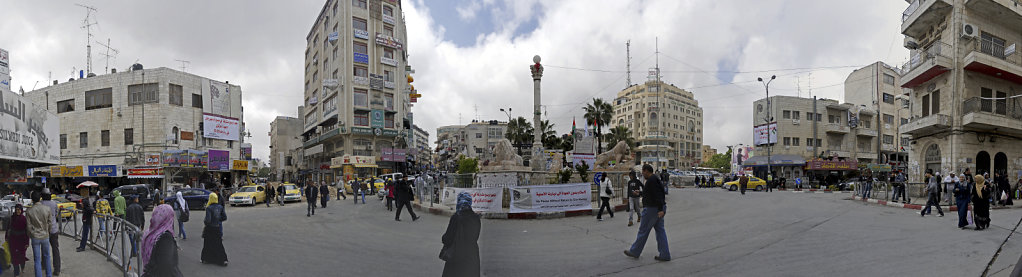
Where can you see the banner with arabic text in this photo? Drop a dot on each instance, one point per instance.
(483, 200)
(551, 198)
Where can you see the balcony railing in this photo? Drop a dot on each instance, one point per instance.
(937, 49)
(996, 50)
(910, 10)
(1006, 107)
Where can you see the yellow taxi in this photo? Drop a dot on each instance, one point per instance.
(248, 195)
(291, 192)
(753, 184)
(65, 207)
(378, 184)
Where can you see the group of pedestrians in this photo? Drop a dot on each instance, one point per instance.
(964, 189)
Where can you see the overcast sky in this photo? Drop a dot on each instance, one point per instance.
(471, 57)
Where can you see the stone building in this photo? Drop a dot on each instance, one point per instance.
(667, 123)
(962, 79)
(876, 87)
(284, 134)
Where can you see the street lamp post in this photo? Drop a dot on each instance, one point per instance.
(508, 113)
(769, 117)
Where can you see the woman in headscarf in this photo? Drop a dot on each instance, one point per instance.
(17, 239)
(963, 194)
(159, 249)
(181, 209)
(212, 244)
(461, 248)
(981, 203)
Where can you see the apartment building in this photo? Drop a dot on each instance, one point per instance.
(448, 146)
(876, 86)
(665, 120)
(708, 152)
(357, 102)
(284, 134)
(423, 150)
(962, 80)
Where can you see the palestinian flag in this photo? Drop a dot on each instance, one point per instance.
(572, 126)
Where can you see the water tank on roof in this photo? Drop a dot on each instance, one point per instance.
(136, 66)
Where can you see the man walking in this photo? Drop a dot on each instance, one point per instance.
(324, 194)
(54, 229)
(634, 194)
(356, 189)
(88, 209)
(340, 190)
(404, 195)
(310, 198)
(742, 182)
(932, 191)
(269, 194)
(135, 216)
(606, 192)
(654, 207)
(39, 218)
(280, 194)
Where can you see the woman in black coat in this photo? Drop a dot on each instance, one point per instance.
(461, 247)
(981, 203)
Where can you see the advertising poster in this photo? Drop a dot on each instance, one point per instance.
(27, 132)
(152, 159)
(483, 199)
(171, 158)
(246, 151)
(765, 134)
(579, 158)
(219, 97)
(220, 127)
(243, 165)
(551, 198)
(219, 160)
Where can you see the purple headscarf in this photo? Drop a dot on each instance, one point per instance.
(162, 221)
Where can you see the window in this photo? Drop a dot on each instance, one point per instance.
(794, 115)
(388, 100)
(888, 79)
(129, 136)
(388, 76)
(819, 116)
(359, 24)
(196, 100)
(98, 99)
(66, 106)
(175, 131)
(315, 75)
(142, 93)
(361, 71)
(991, 45)
(176, 95)
(786, 114)
(834, 119)
(361, 98)
(388, 53)
(935, 105)
(888, 139)
(926, 108)
(794, 141)
(360, 47)
(335, 8)
(809, 141)
(63, 141)
(387, 10)
(867, 122)
(83, 140)
(888, 98)
(335, 52)
(787, 141)
(388, 122)
(104, 138)
(819, 142)
(888, 119)
(904, 141)
(361, 118)
(360, 4)
(387, 30)
(479, 135)
(334, 75)
(904, 121)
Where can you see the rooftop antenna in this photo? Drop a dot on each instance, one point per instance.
(107, 55)
(810, 84)
(628, 63)
(87, 25)
(798, 84)
(184, 64)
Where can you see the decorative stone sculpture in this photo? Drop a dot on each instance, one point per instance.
(505, 158)
(617, 158)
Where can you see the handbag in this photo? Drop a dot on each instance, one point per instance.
(184, 215)
(1004, 196)
(447, 253)
(971, 220)
(608, 191)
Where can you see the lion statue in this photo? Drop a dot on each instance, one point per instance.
(505, 156)
(620, 155)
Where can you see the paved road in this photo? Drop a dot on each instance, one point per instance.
(711, 232)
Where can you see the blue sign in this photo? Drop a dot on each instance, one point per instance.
(102, 171)
(332, 37)
(361, 58)
(362, 34)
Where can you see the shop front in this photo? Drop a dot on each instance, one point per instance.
(787, 167)
(350, 166)
(830, 172)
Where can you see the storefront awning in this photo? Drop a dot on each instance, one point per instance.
(776, 160)
(145, 176)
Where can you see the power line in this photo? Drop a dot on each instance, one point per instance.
(706, 71)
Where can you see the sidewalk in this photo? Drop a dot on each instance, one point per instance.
(919, 203)
(72, 264)
(442, 210)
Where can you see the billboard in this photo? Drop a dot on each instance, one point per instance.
(173, 158)
(219, 97)
(246, 151)
(739, 155)
(220, 127)
(219, 160)
(765, 134)
(27, 132)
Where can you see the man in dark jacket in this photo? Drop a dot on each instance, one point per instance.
(403, 193)
(654, 207)
(310, 198)
(135, 216)
(324, 194)
(280, 194)
(269, 194)
(87, 212)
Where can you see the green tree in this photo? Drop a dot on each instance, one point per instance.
(620, 133)
(598, 114)
(519, 132)
(722, 162)
(548, 136)
(264, 172)
(583, 171)
(467, 165)
(567, 142)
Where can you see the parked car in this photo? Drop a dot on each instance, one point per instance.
(6, 210)
(196, 198)
(753, 184)
(291, 192)
(65, 207)
(248, 195)
(142, 191)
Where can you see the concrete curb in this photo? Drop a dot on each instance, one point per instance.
(819, 191)
(444, 211)
(902, 205)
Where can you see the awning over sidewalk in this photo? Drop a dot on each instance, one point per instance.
(776, 160)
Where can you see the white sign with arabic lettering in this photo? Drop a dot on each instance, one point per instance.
(551, 198)
(27, 132)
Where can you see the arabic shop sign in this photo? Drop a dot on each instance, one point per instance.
(66, 171)
(388, 41)
(145, 171)
(28, 132)
(239, 165)
(362, 34)
(219, 159)
(103, 171)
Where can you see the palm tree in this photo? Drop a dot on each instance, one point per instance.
(620, 133)
(519, 132)
(599, 114)
(567, 142)
(547, 135)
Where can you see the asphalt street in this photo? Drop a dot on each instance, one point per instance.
(711, 232)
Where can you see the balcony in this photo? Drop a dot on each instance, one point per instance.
(917, 19)
(866, 132)
(836, 128)
(1007, 12)
(991, 59)
(927, 64)
(925, 126)
(992, 115)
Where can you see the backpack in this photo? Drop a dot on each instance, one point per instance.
(184, 213)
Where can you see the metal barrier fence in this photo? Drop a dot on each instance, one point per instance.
(110, 236)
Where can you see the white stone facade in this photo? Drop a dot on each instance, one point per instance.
(675, 123)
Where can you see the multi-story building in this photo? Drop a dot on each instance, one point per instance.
(284, 134)
(356, 96)
(475, 140)
(667, 124)
(423, 151)
(707, 153)
(962, 78)
(126, 120)
(448, 146)
(876, 86)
